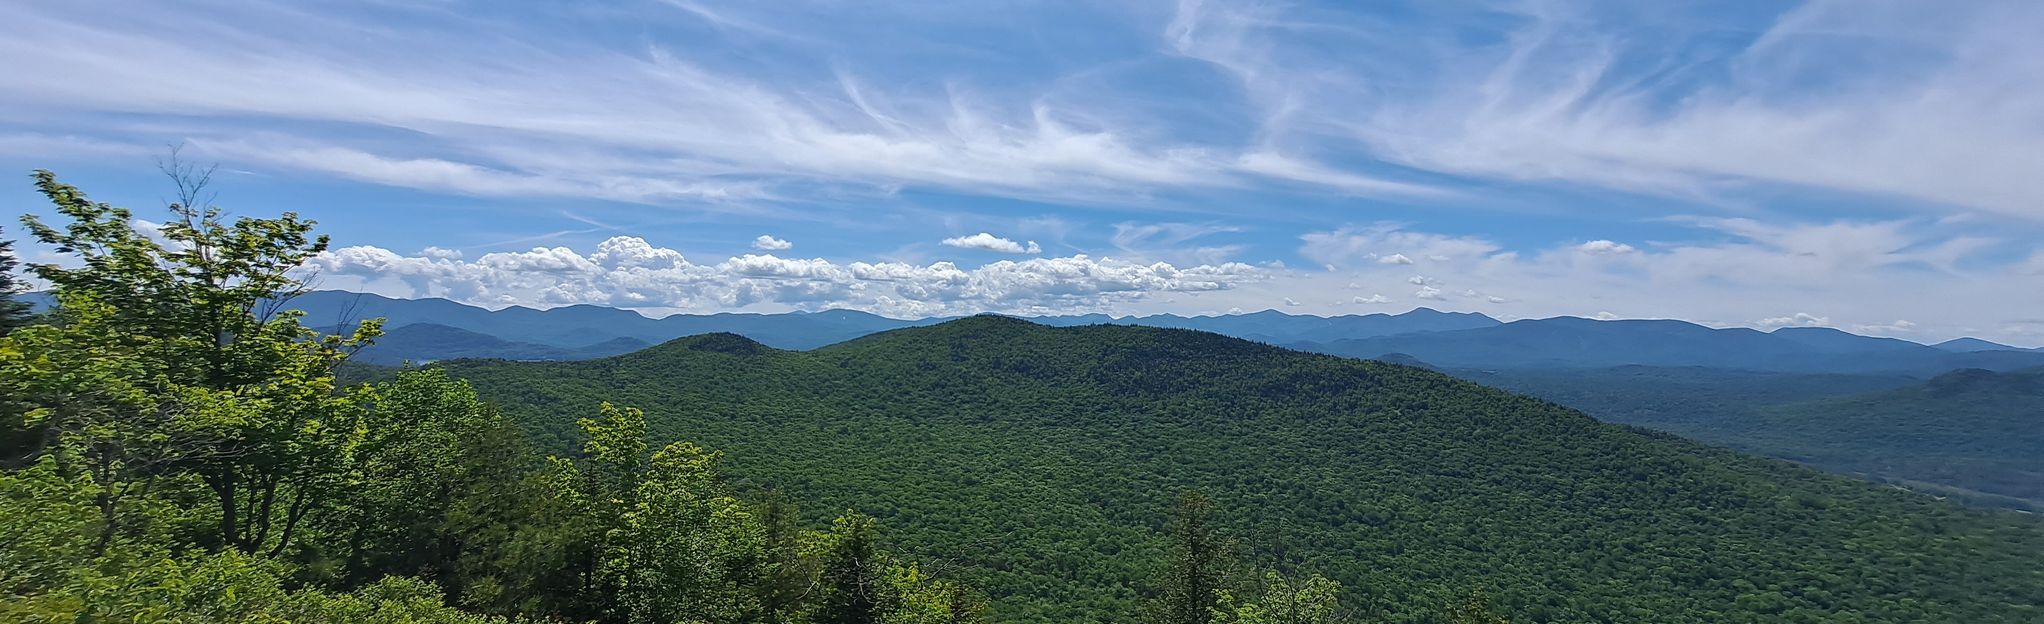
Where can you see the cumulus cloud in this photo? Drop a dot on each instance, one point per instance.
(630, 272)
(984, 241)
(1727, 270)
(1799, 319)
(1961, 277)
(437, 253)
(769, 243)
(1397, 258)
(1605, 247)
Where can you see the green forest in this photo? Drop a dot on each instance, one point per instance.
(1968, 434)
(175, 454)
(177, 450)
(1034, 460)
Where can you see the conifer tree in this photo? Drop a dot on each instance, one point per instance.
(1193, 583)
(854, 585)
(13, 311)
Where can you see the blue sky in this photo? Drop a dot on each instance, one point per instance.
(1873, 166)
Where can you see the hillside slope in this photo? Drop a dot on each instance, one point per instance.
(1977, 431)
(1973, 429)
(1040, 461)
(427, 342)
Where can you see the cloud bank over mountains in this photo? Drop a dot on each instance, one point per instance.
(1812, 275)
(629, 272)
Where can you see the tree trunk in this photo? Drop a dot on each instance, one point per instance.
(230, 527)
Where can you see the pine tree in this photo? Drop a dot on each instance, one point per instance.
(788, 570)
(855, 589)
(1193, 584)
(13, 311)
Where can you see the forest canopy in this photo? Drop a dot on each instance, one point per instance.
(178, 450)
(177, 447)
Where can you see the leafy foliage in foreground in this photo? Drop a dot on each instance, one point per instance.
(1034, 463)
(187, 456)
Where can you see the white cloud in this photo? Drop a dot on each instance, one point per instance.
(1287, 168)
(582, 116)
(1857, 273)
(769, 243)
(1173, 242)
(628, 271)
(1799, 319)
(1356, 245)
(1898, 326)
(1605, 316)
(1933, 102)
(1605, 247)
(436, 174)
(2033, 266)
(988, 242)
(1961, 275)
(437, 253)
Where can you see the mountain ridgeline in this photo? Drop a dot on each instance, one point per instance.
(1035, 462)
(1971, 434)
(1464, 340)
(1721, 386)
(171, 449)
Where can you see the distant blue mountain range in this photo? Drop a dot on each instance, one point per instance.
(1569, 342)
(435, 329)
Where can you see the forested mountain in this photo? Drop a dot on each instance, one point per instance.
(1035, 462)
(428, 342)
(573, 327)
(1447, 339)
(191, 451)
(186, 455)
(1971, 429)
(578, 326)
(1277, 327)
(1970, 345)
(1977, 438)
(1568, 342)
(1706, 384)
